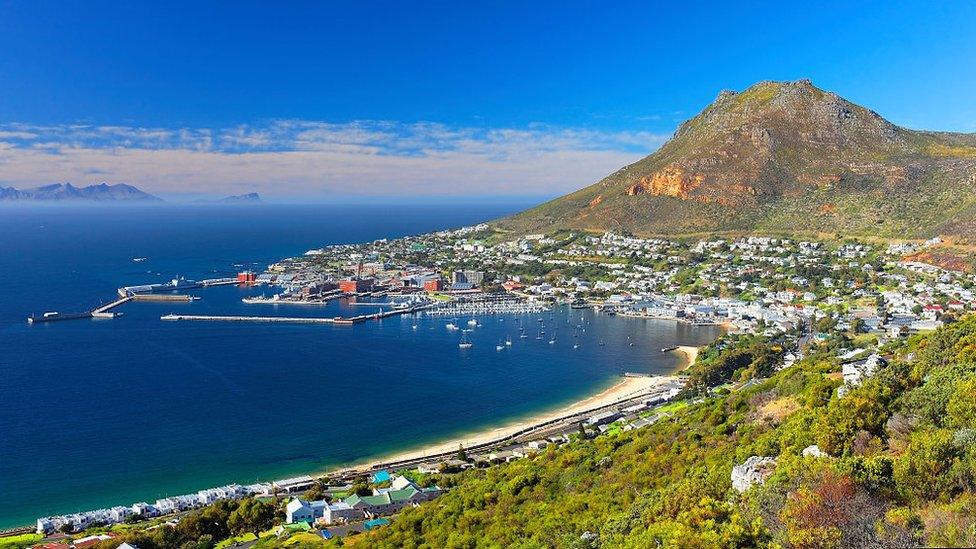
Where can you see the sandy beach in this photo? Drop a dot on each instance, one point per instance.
(627, 388)
(691, 354)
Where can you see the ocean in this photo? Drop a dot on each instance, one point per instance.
(95, 413)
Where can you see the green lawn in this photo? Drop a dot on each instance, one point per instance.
(672, 407)
(19, 541)
(237, 539)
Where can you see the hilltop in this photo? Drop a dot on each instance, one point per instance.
(66, 192)
(782, 157)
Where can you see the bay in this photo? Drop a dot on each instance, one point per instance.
(96, 413)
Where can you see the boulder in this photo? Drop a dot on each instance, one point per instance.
(813, 451)
(754, 470)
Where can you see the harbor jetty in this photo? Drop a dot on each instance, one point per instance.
(102, 311)
(178, 283)
(233, 318)
(164, 297)
(295, 319)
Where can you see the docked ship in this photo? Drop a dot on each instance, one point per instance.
(53, 316)
(261, 299)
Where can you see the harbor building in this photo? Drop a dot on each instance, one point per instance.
(475, 278)
(356, 285)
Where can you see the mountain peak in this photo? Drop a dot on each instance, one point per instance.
(780, 155)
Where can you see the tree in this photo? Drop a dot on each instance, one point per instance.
(922, 471)
(320, 490)
(462, 455)
(204, 542)
(252, 516)
(361, 487)
(961, 408)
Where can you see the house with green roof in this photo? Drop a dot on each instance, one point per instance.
(387, 501)
(401, 493)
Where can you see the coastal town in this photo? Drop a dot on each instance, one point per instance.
(748, 284)
(848, 298)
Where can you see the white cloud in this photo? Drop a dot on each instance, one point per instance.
(307, 158)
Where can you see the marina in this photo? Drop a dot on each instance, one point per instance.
(287, 299)
(452, 309)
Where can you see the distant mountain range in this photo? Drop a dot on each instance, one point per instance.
(249, 198)
(103, 192)
(66, 192)
(782, 158)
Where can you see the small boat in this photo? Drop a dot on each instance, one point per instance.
(508, 341)
(139, 259)
(451, 326)
(523, 336)
(499, 347)
(576, 345)
(603, 343)
(465, 343)
(552, 341)
(414, 326)
(472, 322)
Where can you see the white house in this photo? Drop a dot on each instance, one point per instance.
(299, 510)
(340, 512)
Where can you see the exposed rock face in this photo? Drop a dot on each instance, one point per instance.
(671, 181)
(784, 155)
(754, 470)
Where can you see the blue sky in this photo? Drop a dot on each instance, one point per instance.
(396, 98)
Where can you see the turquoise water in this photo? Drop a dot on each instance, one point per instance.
(104, 412)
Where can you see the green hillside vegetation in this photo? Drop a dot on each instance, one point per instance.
(782, 157)
(901, 467)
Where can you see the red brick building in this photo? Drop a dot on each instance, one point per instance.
(355, 286)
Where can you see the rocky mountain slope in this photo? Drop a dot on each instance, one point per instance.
(782, 157)
(68, 192)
